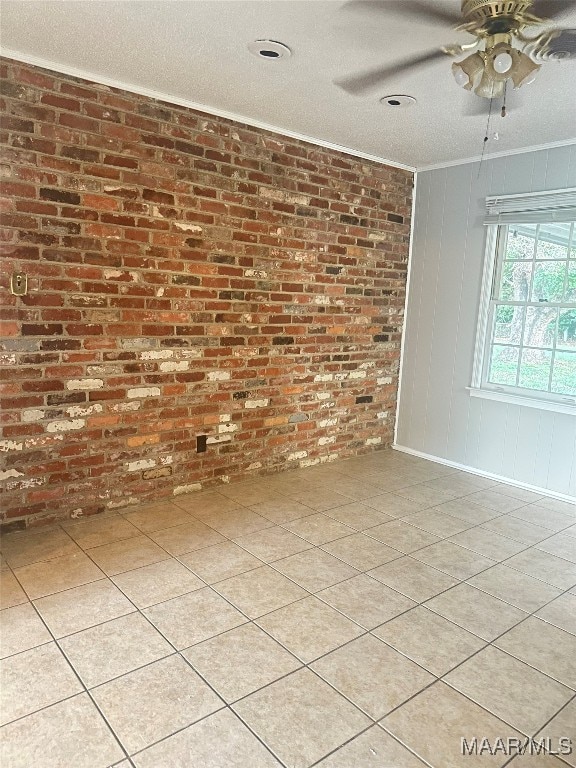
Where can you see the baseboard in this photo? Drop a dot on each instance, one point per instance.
(489, 475)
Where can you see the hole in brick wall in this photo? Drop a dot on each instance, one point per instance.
(201, 443)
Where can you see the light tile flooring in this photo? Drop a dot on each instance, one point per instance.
(367, 613)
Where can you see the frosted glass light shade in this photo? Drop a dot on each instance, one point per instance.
(489, 88)
(502, 63)
(460, 76)
(467, 71)
(524, 70)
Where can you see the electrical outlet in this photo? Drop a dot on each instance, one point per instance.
(19, 284)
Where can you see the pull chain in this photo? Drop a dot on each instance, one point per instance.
(486, 135)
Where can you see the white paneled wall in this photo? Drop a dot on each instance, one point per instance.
(437, 416)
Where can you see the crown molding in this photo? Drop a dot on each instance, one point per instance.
(495, 155)
(64, 69)
(209, 110)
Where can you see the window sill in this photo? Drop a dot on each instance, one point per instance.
(529, 402)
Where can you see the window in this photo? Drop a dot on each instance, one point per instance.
(527, 331)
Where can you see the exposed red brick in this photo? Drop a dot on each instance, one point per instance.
(182, 282)
(78, 122)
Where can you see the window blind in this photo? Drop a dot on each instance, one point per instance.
(532, 208)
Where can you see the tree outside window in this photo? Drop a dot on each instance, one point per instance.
(532, 324)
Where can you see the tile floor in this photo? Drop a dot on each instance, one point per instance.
(367, 613)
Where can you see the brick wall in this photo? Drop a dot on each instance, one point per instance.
(188, 276)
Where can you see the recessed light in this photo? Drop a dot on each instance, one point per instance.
(269, 49)
(398, 102)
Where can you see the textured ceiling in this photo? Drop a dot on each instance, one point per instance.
(196, 52)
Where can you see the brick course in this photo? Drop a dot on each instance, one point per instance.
(187, 276)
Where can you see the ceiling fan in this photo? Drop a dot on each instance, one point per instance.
(505, 47)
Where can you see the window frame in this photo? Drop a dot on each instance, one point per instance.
(496, 238)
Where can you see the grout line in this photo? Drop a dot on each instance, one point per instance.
(253, 621)
(226, 705)
(364, 630)
(393, 736)
(85, 689)
(487, 642)
(401, 554)
(529, 614)
(558, 757)
(307, 665)
(45, 706)
(311, 592)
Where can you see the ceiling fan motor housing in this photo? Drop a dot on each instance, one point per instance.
(485, 13)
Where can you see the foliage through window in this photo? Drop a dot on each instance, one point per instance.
(530, 341)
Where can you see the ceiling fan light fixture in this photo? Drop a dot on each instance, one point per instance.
(462, 79)
(500, 60)
(487, 72)
(489, 87)
(503, 62)
(467, 71)
(504, 52)
(524, 71)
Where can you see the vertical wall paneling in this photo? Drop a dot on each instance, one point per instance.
(436, 414)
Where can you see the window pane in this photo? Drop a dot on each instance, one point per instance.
(548, 284)
(564, 373)
(535, 369)
(515, 281)
(540, 327)
(508, 321)
(567, 329)
(531, 342)
(571, 285)
(553, 241)
(503, 365)
(520, 241)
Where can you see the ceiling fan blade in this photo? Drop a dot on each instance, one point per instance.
(561, 46)
(409, 9)
(552, 9)
(368, 80)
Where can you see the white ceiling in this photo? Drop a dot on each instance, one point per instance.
(195, 52)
